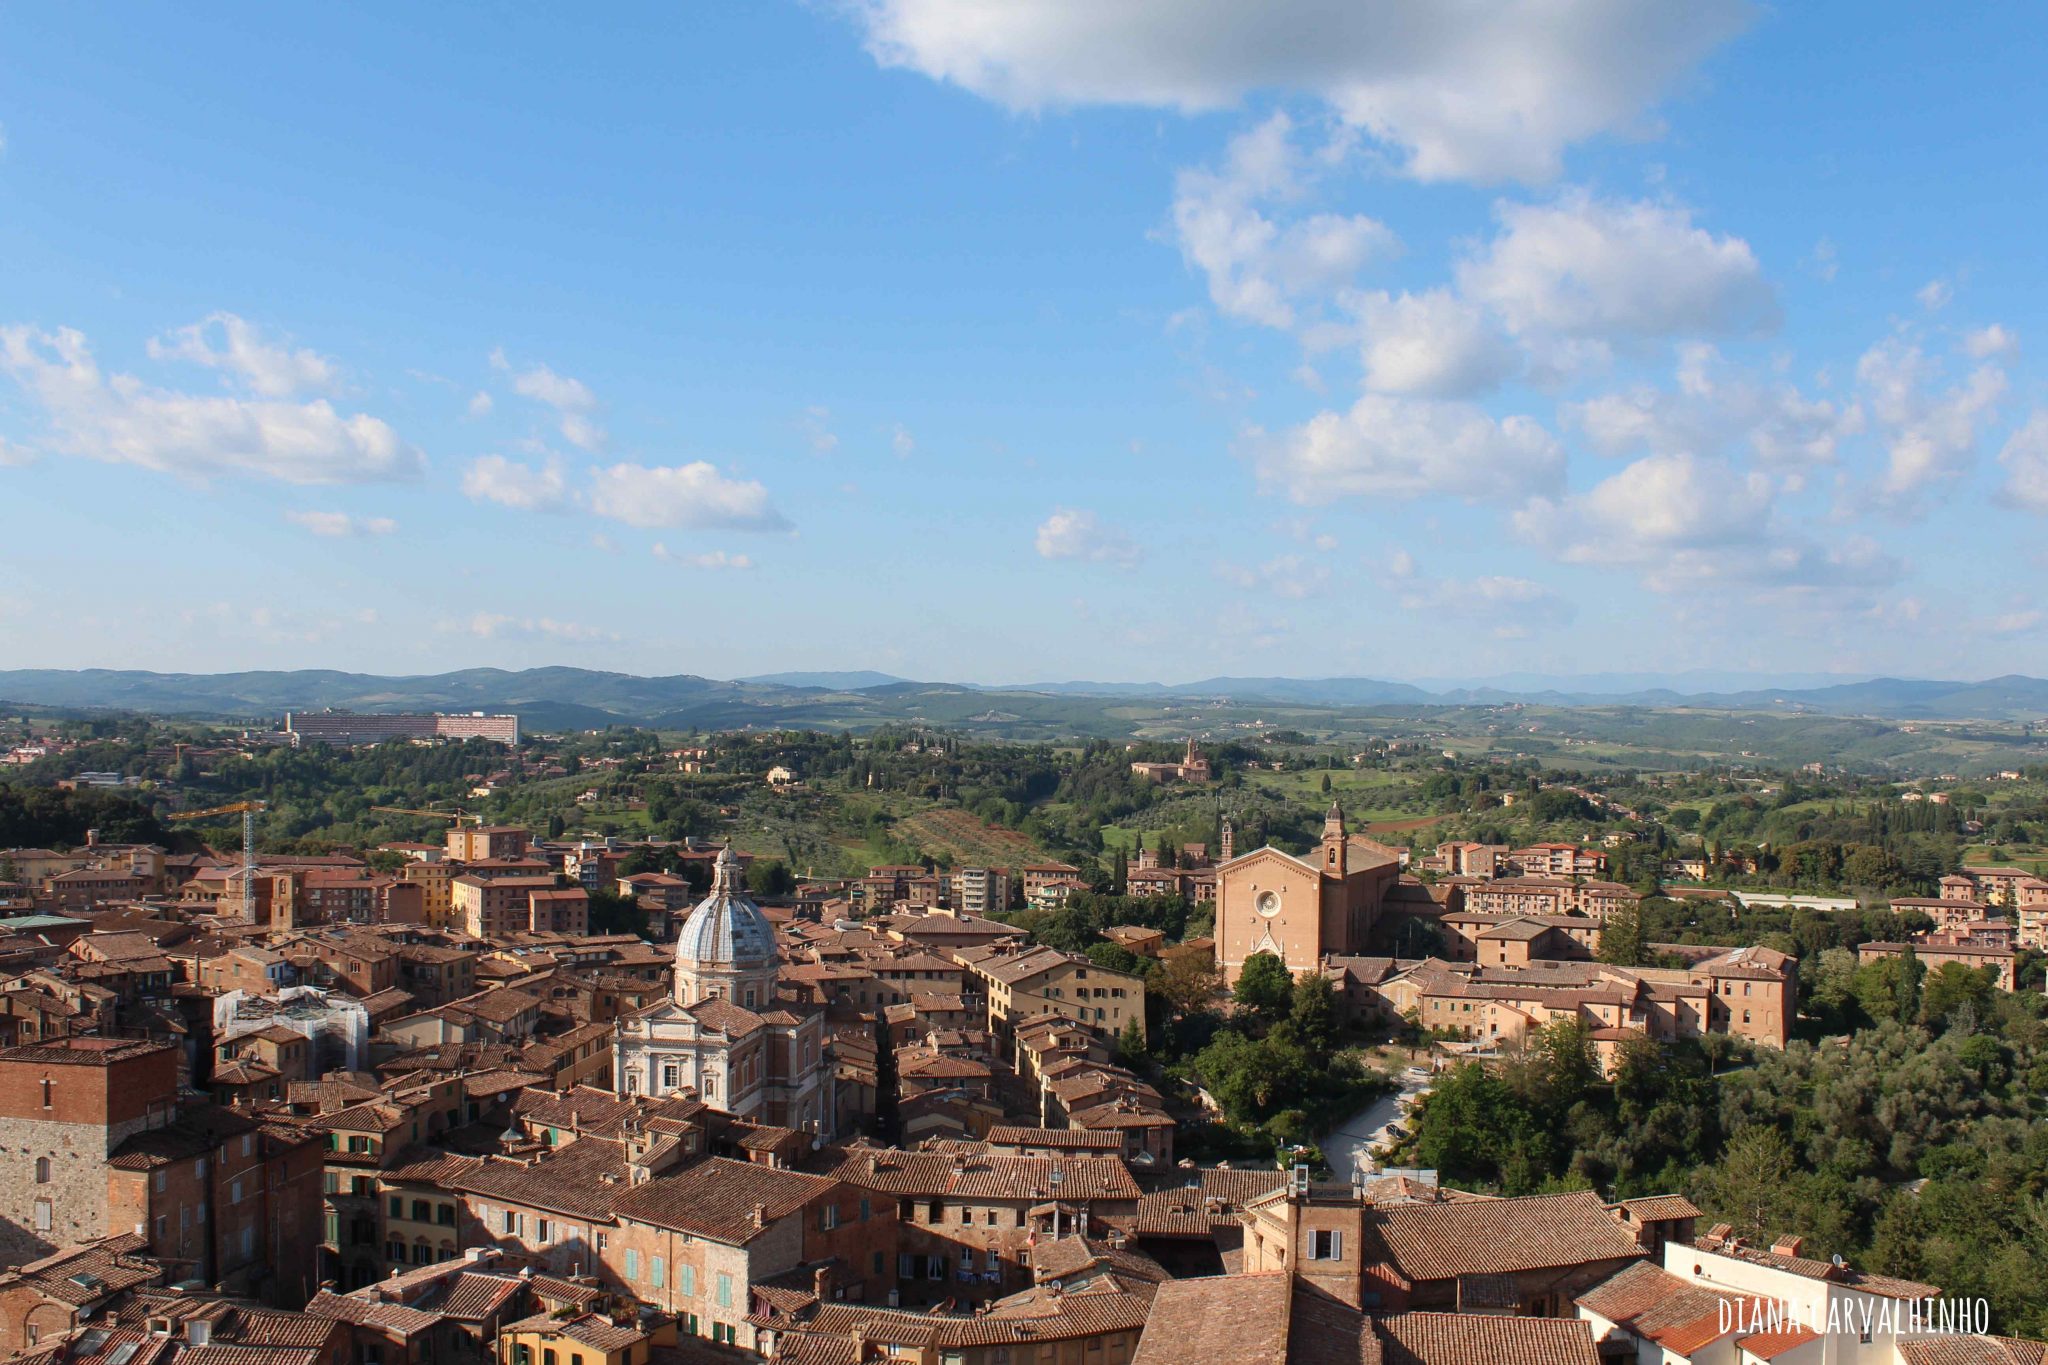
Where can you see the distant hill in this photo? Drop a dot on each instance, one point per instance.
(577, 698)
(851, 681)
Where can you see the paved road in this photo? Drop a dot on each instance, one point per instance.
(1348, 1145)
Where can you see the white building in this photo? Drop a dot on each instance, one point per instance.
(723, 1033)
(1720, 1301)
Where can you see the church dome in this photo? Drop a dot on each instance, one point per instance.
(726, 929)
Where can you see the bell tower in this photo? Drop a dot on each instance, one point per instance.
(1334, 842)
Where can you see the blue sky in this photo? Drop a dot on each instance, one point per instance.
(1004, 340)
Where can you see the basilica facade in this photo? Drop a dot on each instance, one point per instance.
(1302, 909)
(723, 1033)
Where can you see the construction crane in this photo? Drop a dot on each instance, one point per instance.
(248, 811)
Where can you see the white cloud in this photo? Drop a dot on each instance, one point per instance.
(1610, 270)
(2025, 457)
(496, 626)
(1935, 295)
(902, 442)
(815, 424)
(694, 495)
(572, 400)
(340, 525)
(493, 478)
(1712, 409)
(1434, 344)
(710, 559)
(1257, 268)
(119, 419)
(269, 370)
(1458, 94)
(1984, 343)
(1289, 576)
(1682, 521)
(480, 404)
(1930, 437)
(14, 456)
(1387, 447)
(1070, 533)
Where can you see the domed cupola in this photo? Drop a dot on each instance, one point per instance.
(726, 947)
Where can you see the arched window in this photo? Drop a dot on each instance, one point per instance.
(42, 1170)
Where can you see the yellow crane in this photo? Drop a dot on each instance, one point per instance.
(248, 811)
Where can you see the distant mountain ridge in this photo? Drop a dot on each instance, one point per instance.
(578, 698)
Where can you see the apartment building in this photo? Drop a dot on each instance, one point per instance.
(1018, 984)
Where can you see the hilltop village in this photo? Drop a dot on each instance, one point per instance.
(542, 1098)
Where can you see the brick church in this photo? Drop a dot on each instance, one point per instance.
(1301, 909)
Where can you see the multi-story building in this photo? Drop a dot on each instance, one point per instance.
(1549, 896)
(492, 907)
(1020, 984)
(475, 843)
(436, 881)
(98, 1141)
(980, 891)
(66, 1106)
(351, 728)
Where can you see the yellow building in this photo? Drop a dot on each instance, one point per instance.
(591, 1339)
(436, 881)
(1020, 983)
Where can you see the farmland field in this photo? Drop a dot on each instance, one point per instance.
(964, 838)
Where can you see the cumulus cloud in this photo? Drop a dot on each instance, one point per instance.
(121, 420)
(1930, 432)
(1713, 408)
(574, 404)
(530, 488)
(12, 455)
(481, 403)
(1434, 344)
(1289, 576)
(695, 495)
(1256, 268)
(266, 368)
(1455, 96)
(902, 442)
(710, 559)
(2025, 458)
(340, 525)
(1681, 521)
(1582, 267)
(1070, 533)
(1388, 447)
(1984, 343)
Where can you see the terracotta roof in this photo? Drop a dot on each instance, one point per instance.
(1973, 1351)
(719, 1198)
(389, 1317)
(1481, 1339)
(591, 1329)
(88, 1272)
(586, 1179)
(1502, 1236)
(964, 1175)
(1242, 1319)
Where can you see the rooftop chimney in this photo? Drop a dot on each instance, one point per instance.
(760, 1215)
(1787, 1246)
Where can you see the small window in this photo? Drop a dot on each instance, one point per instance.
(42, 1170)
